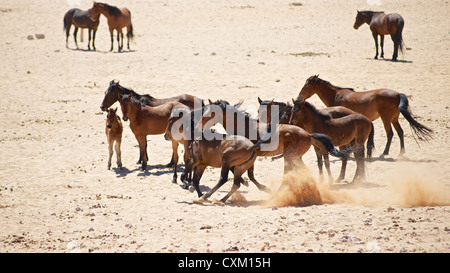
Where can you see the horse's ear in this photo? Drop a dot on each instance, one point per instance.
(293, 101)
(120, 96)
(259, 100)
(210, 102)
(115, 110)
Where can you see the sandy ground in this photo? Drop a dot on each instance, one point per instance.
(56, 194)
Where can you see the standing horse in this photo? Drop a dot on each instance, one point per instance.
(117, 19)
(352, 129)
(293, 142)
(114, 89)
(113, 132)
(146, 120)
(384, 103)
(80, 19)
(383, 24)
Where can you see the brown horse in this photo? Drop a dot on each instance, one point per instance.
(113, 132)
(291, 141)
(117, 19)
(147, 120)
(383, 24)
(384, 103)
(114, 89)
(352, 129)
(285, 111)
(80, 19)
(235, 153)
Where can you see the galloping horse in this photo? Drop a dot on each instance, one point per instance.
(352, 129)
(293, 141)
(114, 89)
(383, 24)
(384, 103)
(117, 19)
(147, 120)
(80, 19)
(113, 132)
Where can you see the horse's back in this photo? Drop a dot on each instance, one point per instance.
(81, 19)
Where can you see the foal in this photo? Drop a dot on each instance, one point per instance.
(113, 132)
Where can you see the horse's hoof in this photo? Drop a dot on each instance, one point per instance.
(191, 188)
(174, 180)
(376, 57)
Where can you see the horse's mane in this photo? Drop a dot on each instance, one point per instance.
(224, 105)
(313, 109)
(135, 99)
(371, 12)
(319, 80)
(113, 10)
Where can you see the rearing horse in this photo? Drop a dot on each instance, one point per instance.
(382, 103)
(117, 19)
(383, 24)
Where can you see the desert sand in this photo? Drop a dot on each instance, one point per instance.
(56, 194)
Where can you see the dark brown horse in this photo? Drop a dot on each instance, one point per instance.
(147, 120)
(285, 111)
(384, 103)
(80, 19)
(352, 129)
(117, 19)
(291, 141)
(114, 89)
(113, 132)
(383, 24)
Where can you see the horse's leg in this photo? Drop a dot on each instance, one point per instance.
(399, 130)
(319, 163)
(327, 166)
(251, 175)
(75, 35)
(67, 35)
(111, 32)
(236, 184)
(381, 45)
(175, 160)
(389, 134)
(110, 149)
(343, 168)
(121, 42)
(223, 179)
(396, 45)
(198, 173)
(142, 140)
(360, 172)
(375, 37)
(118, 153)
(89, 42)
(93, 39)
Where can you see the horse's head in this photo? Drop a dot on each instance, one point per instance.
(361, 18)
(212, 113)
(310, 87)
(111, 117)
(95, 11)
(110, 95)
(125, 104)
(178, 124)
(264, 109)
(296, 111)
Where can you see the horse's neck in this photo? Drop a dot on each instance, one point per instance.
(327, 94)
(309, 117)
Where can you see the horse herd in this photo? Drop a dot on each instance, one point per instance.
(345, 123)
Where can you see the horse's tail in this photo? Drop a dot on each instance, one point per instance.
(398, 35)
(328, 145)
(130, 34)
(421, 131)
(370, 142)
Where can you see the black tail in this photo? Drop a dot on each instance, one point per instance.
(421, 131)
(398, 35)
(328, 145)
(370, 142)
(130, 34)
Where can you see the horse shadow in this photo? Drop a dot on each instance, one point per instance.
(390, 60)
(124, 171)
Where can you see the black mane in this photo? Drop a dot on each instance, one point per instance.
(319, 80)
(113, 10)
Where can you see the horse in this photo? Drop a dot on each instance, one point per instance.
(382, 103)
(113, 130)
(291, 141)
(352, 129)
(114, 89)
(117, 19)
(383, 24)
(284, 113)
(147, 120)
(80, 19)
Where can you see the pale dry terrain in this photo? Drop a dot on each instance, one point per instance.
(56, 194)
